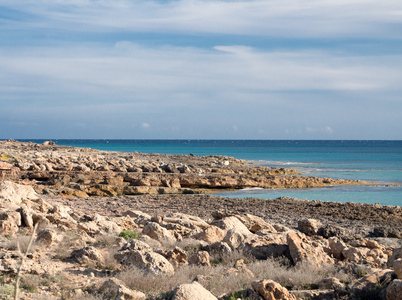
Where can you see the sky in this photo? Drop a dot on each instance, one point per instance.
(192, 69)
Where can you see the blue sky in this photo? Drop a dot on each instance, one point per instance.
(190, 69)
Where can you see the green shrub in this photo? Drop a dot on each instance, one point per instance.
(129, 234)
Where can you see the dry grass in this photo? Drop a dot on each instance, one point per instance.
(301, 276)
(218, 280)
(23, 242)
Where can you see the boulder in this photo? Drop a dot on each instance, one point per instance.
(394, 290)
(10, 221)
(192, 291)
(211, 234)
(177, 256)
(188, 221)
(254, 223)
(135, 245)
(372, 283)
(115, 289)
(331, 283)
(151, 262)
(271, 290)
(200, 258)
(87, 255)
(355, 254)
(12, 194)
(234, 238)
(398, 268)
(396, 254)
(159, 233)
(231, 222)
(302, 250)
(336, 246)
(309, 226)
(48, 237)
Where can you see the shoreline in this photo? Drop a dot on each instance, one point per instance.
(82, 172)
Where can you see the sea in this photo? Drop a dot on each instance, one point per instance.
(376, 163)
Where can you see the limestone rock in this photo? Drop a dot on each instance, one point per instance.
(336, 246)
(115, 289)
(177, 256)
(218, 249)
(234, 238)
(9, 222)
(396, 254)
(309, 226)
(254, 223)
(355, 254)
(200, 258)
(211, 234)
(192, 291)
(271, 290)
(302, 250)
(231, 222)
(139, 217)
(394, 290)
(135, 245)
(191, 222)
(149, 261)
(48, 237)
(369, 283)
(331, 283)
(86, 255)
(398, 268)
(12, 194)
(159, 233)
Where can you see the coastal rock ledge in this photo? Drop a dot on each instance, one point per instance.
(81, 172)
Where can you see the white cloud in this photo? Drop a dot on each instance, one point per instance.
(145, 125)
(281, 18)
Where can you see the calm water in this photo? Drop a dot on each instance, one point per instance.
(372, 161)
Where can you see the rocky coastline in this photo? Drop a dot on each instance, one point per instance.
(117, 233)
(83, 172)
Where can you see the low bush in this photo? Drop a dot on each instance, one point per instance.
(129, 234)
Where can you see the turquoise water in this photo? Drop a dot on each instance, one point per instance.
(371, 161)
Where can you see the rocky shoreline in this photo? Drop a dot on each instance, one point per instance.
(83, 172)
(94, 241)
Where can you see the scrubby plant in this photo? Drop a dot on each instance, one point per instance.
(30, 283)
(129, 234)
(6, 291)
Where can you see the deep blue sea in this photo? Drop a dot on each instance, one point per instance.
(376, 162)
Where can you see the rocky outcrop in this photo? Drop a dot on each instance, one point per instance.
(80, 172)
(167, 245)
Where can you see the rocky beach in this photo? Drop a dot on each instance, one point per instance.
(112, 225)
